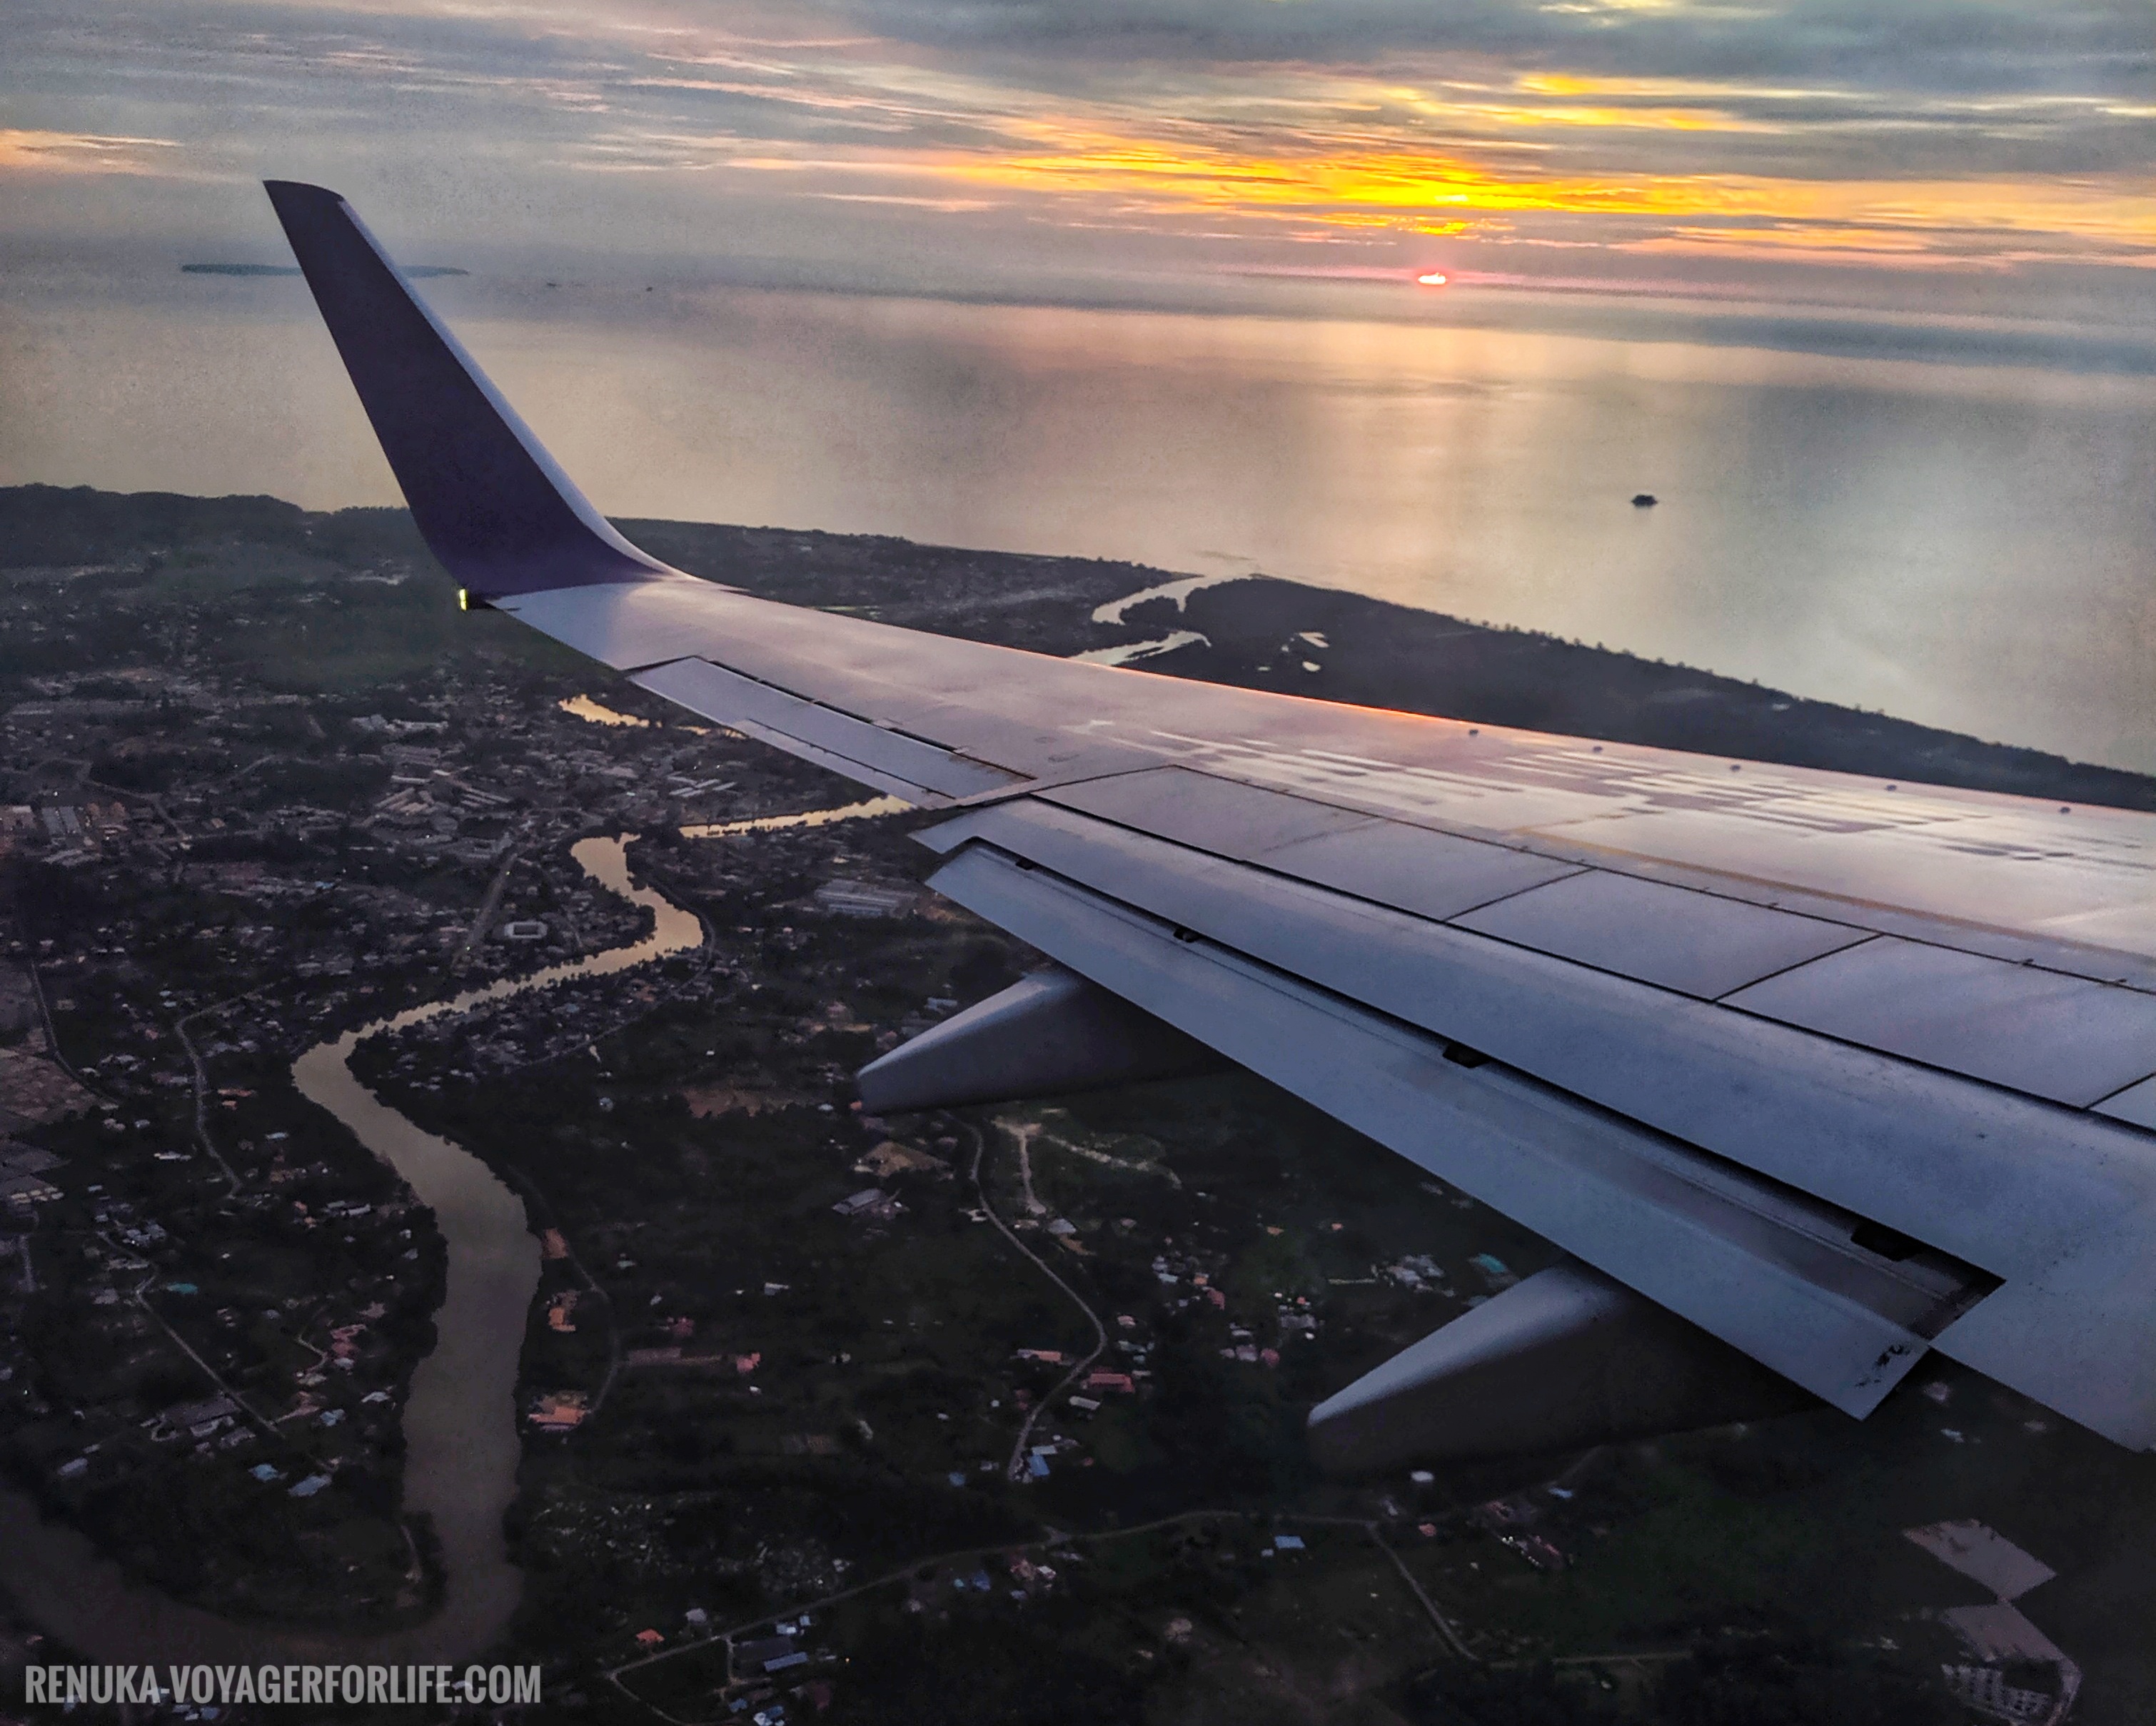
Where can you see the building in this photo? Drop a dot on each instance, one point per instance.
(861, 899)
(560, 1411)
(19, 1191)
(189, 1415)
(1985, 1687)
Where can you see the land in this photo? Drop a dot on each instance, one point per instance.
(988, 1416)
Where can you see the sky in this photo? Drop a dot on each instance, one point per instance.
(1936, 156)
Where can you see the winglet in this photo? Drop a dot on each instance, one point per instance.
(489, 501)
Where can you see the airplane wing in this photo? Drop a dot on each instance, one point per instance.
(1835, 1070)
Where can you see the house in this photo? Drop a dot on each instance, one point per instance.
(1502, 1513)
(1494, 1270)
(648, 1638)
(24, 1190)
(1103, 1379)
(871, 1202)
(188, 1416)
(560, 1411)
(1986, 1689)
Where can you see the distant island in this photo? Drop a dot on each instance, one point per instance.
(416, 272)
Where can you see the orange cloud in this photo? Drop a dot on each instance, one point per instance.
(77, 152)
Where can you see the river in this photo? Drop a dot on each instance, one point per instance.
(461, 1443)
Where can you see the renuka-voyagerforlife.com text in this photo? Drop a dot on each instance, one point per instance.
(319, 1685)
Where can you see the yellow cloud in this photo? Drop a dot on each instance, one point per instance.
(1562, 158)
(1407, 188)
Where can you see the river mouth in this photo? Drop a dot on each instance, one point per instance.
(462, 1447)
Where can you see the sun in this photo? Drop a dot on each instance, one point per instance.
(1436, 279)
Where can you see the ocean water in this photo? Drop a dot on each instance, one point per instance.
(1949, 530)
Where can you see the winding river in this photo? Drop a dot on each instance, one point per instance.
(462, 1446)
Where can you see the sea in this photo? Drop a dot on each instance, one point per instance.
(1950, 520)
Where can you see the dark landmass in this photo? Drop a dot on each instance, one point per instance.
(1377, 653)
(307, 791)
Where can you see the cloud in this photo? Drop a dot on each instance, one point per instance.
(80, 153)
(1815, 134)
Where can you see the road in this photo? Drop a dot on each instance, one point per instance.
(202, 1080)
(618, 1676)
(1015, 1469)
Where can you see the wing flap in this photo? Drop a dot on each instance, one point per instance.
(1997, 1180)
(1763, 1270)
(1812, 1137)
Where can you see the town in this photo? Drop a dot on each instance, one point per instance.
(817, 1415)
